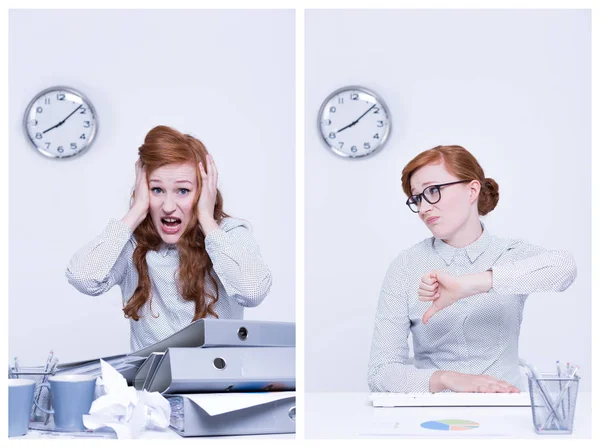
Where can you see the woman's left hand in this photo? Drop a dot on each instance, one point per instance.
(444, 289)
(208, 195)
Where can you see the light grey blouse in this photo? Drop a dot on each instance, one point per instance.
(243, 278)
(476, 335)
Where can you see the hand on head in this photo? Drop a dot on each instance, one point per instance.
(141, 201)
(208, 194)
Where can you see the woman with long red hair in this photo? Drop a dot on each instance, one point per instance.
(176, 255)
(461, 292)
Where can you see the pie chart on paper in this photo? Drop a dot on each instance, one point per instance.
(450, 425)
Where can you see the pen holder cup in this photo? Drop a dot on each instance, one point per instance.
(553, 400)
(39, 375)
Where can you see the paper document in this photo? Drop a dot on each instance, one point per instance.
(216, 404)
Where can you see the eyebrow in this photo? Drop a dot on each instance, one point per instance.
(433, 182)
(177, 181)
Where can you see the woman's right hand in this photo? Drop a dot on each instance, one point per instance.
(464, 382)
(141, 198)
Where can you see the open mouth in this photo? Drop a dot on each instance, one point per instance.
(171, 225)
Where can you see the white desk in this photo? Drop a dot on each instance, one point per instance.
(350, 415)
(165, 434)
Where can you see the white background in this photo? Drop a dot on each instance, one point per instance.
(513, 87)
(226, 77)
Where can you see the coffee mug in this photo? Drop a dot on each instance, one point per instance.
(20, 401)
(71, 397)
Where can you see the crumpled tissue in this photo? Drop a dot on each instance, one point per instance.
(124, 409)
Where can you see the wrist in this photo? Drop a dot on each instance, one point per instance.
(437, 382)
(477, 283)
(207, 224)
(134, 216)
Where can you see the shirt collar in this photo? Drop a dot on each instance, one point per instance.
(165, 249)
(473, 250)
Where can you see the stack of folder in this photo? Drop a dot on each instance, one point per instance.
(221, 377)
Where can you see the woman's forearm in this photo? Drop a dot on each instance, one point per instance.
(134, 217)
(478, 283)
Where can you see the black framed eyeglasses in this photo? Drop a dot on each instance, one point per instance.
(432, 194)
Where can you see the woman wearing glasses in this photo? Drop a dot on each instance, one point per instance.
(461, 292)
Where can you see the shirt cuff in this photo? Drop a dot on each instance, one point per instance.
(501, 280)
(118, 229)
(215, 238)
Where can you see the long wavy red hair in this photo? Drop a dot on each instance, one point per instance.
(163, 146)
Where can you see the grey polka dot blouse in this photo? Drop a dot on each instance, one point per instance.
(242, 276)
(476, 335)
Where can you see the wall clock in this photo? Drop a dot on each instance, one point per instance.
(60, 122)
(354, 122)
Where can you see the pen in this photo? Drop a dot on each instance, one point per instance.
(16, 367)
(560, 386)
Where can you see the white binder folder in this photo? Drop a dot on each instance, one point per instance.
(201, 333)
(233, 414)
(224, 369)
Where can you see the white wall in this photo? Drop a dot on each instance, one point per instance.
(513, 87)
(227, 77)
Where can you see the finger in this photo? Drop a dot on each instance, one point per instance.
(214, 165)
(427, 279)
(203, 174)
(484, 388)
(430, 312)
(499, 387)
(215, 174)
(429, 299)
(427, 287)
(427, 293)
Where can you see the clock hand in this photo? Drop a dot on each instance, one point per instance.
(61, 122)
(357, 120)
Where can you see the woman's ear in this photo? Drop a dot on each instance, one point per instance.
(474, 189)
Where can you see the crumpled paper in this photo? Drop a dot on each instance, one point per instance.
(124, 409)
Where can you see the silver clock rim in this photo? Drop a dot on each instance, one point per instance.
(75, 92)
(379, 100)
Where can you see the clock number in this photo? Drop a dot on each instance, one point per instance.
(46, 100)
(341, 144)
(332, 109)
(60, 96)
(340, 100)
(38, 135)
(82, 111)
(33, 122)
(82, 136)
(73, 145)
(326, 122)
(60, 149)
(376, 136)
(39, 110)
(47, 144)
(86, 124)
(375, 110)
(354, 149)
(354, 96)
(332, 135)
(379, 123)
(367, 145)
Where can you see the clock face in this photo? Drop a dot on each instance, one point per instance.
(60, 122)
(354, 122)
